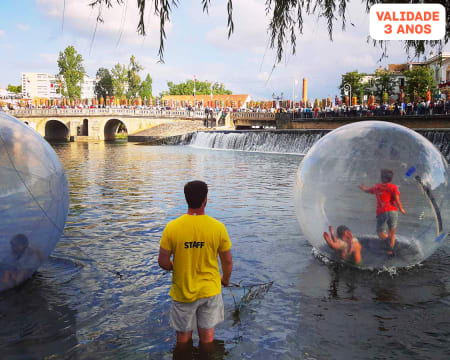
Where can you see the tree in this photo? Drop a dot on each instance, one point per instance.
(133, 78)
(383, 83)
(14, 89)
(201, 88)
(418, 81)
(145, 91)
(71, 72)
(354, 78)
(219, 89)
(104, 85)
(286, 19)
(119, 75)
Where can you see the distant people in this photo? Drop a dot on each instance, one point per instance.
(20, 264)
(205, 120)
(195, 240)
(388, 204)
(346, 246)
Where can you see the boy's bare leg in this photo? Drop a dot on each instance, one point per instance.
(385, 237)
(392, 238)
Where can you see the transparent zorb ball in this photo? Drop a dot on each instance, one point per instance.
(34, 201)
(328, 192)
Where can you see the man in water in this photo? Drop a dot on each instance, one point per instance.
(195, 240)
(388, 204)
(347, 246)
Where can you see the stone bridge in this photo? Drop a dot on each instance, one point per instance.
(97, 124)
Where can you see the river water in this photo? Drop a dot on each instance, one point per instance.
(101, 295)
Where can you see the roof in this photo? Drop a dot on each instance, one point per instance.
(242, 98)
(397, 67)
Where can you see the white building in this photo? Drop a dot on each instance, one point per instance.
(41, 85)
(44, 85)
(88, 88)
(440, 64)
(441, 67)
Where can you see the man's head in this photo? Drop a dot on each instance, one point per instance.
(18, 243)
(195, 193)
(343, 231)
(386, 175)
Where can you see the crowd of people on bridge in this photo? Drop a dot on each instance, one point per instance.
(431, 107)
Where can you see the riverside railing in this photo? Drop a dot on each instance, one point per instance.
(179, 114)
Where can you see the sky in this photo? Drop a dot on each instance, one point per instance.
(33, 32)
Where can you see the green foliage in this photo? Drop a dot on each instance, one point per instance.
(104, 85)
(71, 72)
(219, 89)
(145, 91)
(133, 78)
(119, 75)
(14, 89)
(201, 88)
(354, 78)
(418, 81)
(384, 83)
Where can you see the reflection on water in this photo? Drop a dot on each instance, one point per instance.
(102, 294)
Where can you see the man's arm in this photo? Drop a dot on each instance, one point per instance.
(164, 259)
(227, 266)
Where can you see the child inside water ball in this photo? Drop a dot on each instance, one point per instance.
(388, 204)
(345, 244)
(22, 263)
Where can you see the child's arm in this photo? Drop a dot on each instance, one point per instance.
(331, 240)
(399, 204)
(365, 189)
(356, 251)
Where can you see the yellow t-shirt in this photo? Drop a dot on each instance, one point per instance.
(195, 241)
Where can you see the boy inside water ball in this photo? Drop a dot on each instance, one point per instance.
(345, 244)
(388, 204)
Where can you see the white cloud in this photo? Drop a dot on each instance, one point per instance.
(2, 33)
(119, 24)
(250, 26)
(23, 27)
(49, 58)
(198, 44)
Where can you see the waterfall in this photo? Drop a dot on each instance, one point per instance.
(440, 139)
(294, 142)
(283, 141)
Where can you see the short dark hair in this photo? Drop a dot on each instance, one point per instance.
(341, 229)
(386, 175)
(195, 193)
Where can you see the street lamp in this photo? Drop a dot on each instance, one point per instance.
(277, 99)
(347, 90)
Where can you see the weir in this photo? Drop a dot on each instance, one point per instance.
(283, 141)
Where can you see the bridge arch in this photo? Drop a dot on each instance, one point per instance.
(112, 126)
(56, 130)
(85, 127)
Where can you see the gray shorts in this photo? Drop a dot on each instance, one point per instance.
(386, 221)
(203, 313)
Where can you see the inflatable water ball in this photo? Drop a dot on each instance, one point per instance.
(34, 201)
(360, 156)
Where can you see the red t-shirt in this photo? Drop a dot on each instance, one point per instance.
(385, 197)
